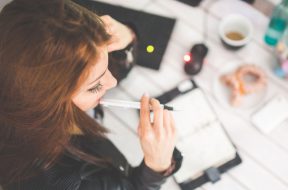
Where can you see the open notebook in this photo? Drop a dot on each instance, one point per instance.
(201, 139)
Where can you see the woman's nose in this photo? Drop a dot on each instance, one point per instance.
(111, 80)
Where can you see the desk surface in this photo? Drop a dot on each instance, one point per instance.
(264, 156)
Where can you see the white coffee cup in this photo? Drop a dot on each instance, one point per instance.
(235, 31)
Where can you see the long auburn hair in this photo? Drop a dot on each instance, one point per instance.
(46, 50)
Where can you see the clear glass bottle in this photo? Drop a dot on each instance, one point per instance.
(278, 24)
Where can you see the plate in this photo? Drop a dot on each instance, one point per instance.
(223, 92)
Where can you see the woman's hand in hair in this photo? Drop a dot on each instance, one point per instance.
(121, 34)
(157, 138)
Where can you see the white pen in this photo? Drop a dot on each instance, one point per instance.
(129, 104)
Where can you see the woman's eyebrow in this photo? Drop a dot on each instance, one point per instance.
(99, 76)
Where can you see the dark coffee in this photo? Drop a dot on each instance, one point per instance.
(236, 36)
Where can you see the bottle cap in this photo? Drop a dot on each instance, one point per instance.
(270, 41)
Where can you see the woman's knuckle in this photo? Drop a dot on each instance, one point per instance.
(168, 131)
(158, 109)
(173, 133)
(161, 137)
(147, 134)
(108, 17)
(155, 102)
(166, 113)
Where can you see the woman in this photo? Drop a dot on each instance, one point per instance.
(53, 67)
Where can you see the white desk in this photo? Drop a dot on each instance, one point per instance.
(264, 156)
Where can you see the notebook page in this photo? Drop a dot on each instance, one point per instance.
(201, 138)
(196, 112)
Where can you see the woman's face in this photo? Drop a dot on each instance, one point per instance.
(99, 80)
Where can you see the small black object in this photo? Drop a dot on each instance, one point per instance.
(178, 157)
(193, 184)
(249, 1)
(193, 3)
(174, 92)
(229, 47)
(198, 53)
(213, 174)
(168, 107)
(121, 62)
(98, 112)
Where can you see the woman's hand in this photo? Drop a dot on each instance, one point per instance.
(121, 34)
(157, 138)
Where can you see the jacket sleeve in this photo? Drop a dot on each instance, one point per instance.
(139, 178)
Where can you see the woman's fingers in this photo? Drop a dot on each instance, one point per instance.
(158, 115)
(157, 138)
(173, 126)
(107, 21)
(145, 112)
(167, 122)
(172, 121)
(121, 35)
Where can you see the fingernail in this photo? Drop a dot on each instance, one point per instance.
(146, 94)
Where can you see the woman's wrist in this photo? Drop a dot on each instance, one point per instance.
(164, 172)
(157, 167)
(169, 170)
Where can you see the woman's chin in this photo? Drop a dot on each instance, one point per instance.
(97, 102)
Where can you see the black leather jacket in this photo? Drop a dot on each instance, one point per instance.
(71, 173)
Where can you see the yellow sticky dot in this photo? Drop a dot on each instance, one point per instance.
(150, 49)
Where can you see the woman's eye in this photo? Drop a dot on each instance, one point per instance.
(96, 89)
